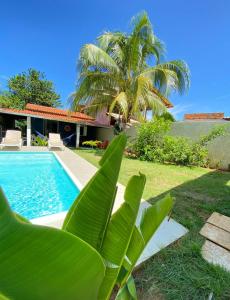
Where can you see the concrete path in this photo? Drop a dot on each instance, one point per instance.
(81, 171)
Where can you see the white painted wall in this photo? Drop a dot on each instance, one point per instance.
(103, 134)
(77, 135)
(28, 132)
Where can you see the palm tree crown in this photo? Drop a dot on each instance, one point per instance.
(125, 72)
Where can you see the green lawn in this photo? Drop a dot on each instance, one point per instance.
(179, 271)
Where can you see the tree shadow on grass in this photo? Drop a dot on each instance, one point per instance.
(197, 199)
(179, 271)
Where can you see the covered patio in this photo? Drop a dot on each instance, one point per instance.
(36, 120)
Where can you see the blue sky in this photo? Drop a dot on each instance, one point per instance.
(47, 35)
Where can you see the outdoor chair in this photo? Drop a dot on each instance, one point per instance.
(55, 141)
(13, 138)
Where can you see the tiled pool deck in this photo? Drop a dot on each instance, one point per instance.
(81, 171)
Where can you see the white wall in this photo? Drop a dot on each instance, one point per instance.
(103, 134)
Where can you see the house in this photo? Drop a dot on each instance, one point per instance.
(106, 118)
(74, 127)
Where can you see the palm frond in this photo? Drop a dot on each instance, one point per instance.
(95, 58)
(155, 104)
(94, 84)
(109, 39)
(153, 47)
(121, 101)
(146, 99)
(173, 75)
(141, 24)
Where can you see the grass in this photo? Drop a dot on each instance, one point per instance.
(179, 271)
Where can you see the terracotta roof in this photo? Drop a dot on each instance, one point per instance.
(204, 116)
(57, 111)
(51, 113)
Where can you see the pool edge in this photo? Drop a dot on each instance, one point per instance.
(56, 220)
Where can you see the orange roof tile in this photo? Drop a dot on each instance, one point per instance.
(204, 116)
(52, 113)
(57, 111)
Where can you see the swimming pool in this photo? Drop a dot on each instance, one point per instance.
(35, 183)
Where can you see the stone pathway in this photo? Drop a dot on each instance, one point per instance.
(216, 248)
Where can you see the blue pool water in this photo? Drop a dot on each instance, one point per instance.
(36, 184)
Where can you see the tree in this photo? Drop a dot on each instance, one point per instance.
(125, 72)
(29, 87)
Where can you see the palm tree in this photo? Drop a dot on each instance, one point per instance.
(125, 73)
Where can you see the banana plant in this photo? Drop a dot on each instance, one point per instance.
(115, 236)
(38, 262)
(96, 249)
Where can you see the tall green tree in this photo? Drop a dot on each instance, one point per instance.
(127, 73)
(29, 87)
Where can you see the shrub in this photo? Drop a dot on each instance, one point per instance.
(181, 151)
(177, 150)
(150, 133)
(93, 144)
(152, 144)
(38, 141)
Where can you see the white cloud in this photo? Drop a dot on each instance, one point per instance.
(178, 110)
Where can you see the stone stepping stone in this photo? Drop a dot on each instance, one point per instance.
(216, 235)
(220, 221)
(216, 248)
(216, 255)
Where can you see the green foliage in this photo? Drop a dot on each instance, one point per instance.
(179, 270)
(2, 297)
(150, 134)
(6, 100)
(217, 131)
(90, 255)
(21, 124)
(112, 235)
(167, 116)
(38, 141)
(40, 262)
(29, 87)
(153, 144)
(93, 144)
(128, 291)
(181, 151)
(116, 72)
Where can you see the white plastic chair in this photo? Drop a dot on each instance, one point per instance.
(13, 138)
(55, 141)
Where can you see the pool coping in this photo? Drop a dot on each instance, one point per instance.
(72, 163)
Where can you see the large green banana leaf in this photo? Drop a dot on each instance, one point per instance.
(128, 291)
(39, 262)
(90, 213)
(2, 297)
(151, 219)
(119, 233)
